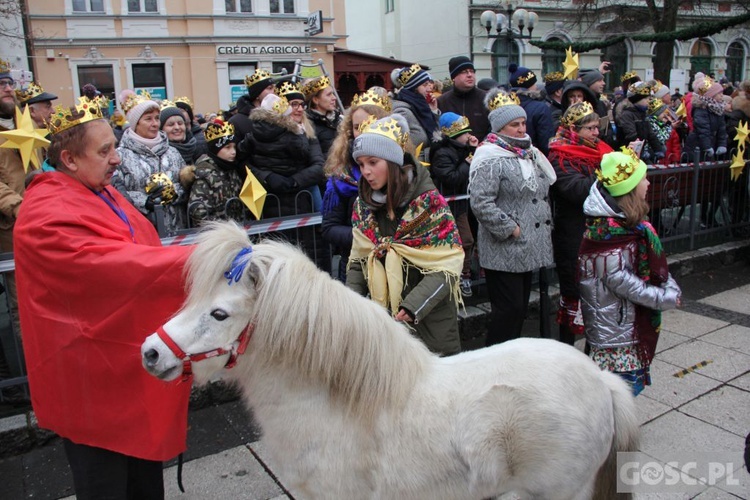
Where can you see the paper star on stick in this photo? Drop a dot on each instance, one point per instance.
(25, 138)
(253, 195)
(570, 65)
(742, 133)
(738, 164)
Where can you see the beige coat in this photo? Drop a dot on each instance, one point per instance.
(12, 188)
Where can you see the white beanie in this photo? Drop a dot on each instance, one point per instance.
(276, 104)
(134, 105)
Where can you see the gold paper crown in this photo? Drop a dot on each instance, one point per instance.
(372, 98)
(641, 90)
(456, 127)
(623, 170)
(654, 104)
(627, 76)
(4, 66)
(134, 99)
(525, 78)
(703, 87)
(387, 127)
(314, 86)
(281, 105)
(503, 99)
(407, 74)
(166, 103)
(555, 76)
(184, 100)
(101, 100)
(575, 113)
(218, 129)
(287, 88)
(29, 92)
(257, 76)
(64, 118)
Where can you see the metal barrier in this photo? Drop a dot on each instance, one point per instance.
(692, 204)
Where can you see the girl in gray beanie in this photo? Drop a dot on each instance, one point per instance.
(509, 181)
(406, 251)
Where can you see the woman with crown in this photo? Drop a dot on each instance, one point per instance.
(150, 170)
(343, 172)
(509, 181)
(322, 110)
(575, 153)
(94, 280)
(406, 252)
(623, 273)
(411, 101)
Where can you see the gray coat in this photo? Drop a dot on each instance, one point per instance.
(610, 288)
(501, 200)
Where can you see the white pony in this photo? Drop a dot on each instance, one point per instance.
(351, 405)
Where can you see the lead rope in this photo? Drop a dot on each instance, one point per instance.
(179, 473)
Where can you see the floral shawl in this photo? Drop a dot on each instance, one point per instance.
(426, 238)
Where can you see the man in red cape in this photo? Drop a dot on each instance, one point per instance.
(93, 282)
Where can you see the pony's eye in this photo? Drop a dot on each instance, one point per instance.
(219, 315)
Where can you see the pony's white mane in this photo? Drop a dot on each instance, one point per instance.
(309, 323)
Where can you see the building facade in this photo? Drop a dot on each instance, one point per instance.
(202, 49)
(446, 28)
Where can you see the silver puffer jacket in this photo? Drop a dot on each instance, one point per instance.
(610, 288)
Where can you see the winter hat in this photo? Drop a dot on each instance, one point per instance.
(218, 134)
(710, 88)
(621, 171)
(554, 81)
(168, 110)
(34, 93)
(661, 90)
(412, 77)
(638, 91)
(453, 125)
(134, 105)
(185, 104)
(504, 108)
(590, 76)
(655, 106)
(521, 77)
(698, 80)
(291, 91)
(458, 64)
(385, 138)
(5, 69)
(487, 84)
(276, 104)
(257, 82)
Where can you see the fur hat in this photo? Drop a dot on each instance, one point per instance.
(452, 125)
(521, 77)
(167, 113)
(590, 76)
(504, 108)
(459, 63)
(384, 138)
(412, 77)
(134, 105)
(621, 171)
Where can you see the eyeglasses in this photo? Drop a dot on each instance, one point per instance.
(590, 128)
(297, 105)
(7, 83)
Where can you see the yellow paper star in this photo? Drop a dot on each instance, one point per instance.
(738, 162)
(570, 65)
(25, 138)
(253, 195)
(742, 133)
(681, 110)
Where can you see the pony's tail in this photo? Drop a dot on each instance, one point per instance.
(626, 437)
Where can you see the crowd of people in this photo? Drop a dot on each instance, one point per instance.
(422, 189)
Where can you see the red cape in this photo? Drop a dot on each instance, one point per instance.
(88, 296)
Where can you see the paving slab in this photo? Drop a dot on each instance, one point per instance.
(725, 365)
(715, 493)
(726, 407)
(673, 391)
(648, 409)
(736, 299)
(232, 473)
(733, 337)
(668, 339)
(689, 324)
(742, 382)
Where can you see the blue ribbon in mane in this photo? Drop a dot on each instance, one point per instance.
(238, 265)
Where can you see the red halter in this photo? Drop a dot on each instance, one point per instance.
(238, 347)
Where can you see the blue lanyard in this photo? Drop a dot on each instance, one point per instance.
(112, 203)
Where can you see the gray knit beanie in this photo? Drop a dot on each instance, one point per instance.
(503, 108)
(384, 138)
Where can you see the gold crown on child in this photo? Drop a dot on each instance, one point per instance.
(64, 118)
(461, 124)
(218, 129)
(387, 127)
(372, 98)
(623, 170)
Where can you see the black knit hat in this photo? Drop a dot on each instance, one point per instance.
(458, 64)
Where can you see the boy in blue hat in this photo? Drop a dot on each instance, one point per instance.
(449, 167)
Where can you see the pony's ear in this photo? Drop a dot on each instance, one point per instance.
(253, 274)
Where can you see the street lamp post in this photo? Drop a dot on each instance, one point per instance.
(503, 24)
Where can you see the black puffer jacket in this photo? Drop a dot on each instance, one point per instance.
(469, 104)
(450, 171)
(632, 125)
(285, 160)
(326, 127)
(709, 129)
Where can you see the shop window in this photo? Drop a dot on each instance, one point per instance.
(152, 78)
(147, 6)
(282, 6)
(237, 73)
(279, 66)
(88, 5)
(100, 76)
(552, 59)
(735, 62)
(239, 6)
